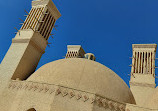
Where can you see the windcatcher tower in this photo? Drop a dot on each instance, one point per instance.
(75, 51)
(30, 41)
(142, 82)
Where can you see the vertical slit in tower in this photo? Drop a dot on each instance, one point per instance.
(45, 25)
(40, 17)
(140, 62)
(134, 62)
(43, 20)
(147, 58)
(48, 26)
(33, 20)
(26, 23)
(51, 27)
(134, 69)
(151, 63)
(36, 19)
(31, 17)
(143, 63)
(137, 61)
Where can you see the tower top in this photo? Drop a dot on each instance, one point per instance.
(144, 46)
(50, 5)
(143, 58)
(41, 18)
(75, 51)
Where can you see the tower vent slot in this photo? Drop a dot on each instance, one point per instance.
(33, 18)
(41, 20)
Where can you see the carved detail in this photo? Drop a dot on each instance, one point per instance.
(98, 101)
(85, 98)
(122, 108)
(115, 106)
(51, 91)
(71, 94)
(92, 100)
(58, 91)
(79, 95)
(110, 104)
(104, 102)
(46, 88)
(64, 93)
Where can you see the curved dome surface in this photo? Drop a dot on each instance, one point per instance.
(85, 75)
(153, 101)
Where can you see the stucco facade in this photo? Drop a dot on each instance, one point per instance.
(76, 83)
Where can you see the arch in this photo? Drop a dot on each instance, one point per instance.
(32, 109)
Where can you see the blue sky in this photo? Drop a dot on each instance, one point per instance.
(107, 28)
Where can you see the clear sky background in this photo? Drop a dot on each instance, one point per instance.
(107, 28)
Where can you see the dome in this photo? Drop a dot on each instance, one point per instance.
(153, 101)
(85, 75)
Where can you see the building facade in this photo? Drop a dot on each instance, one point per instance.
(76, 83)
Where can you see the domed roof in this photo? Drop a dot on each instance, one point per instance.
(85, 75)
(153, 101)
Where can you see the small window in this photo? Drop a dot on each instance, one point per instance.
(91, 58)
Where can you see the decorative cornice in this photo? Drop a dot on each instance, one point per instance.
(108, 103)
(144, 46)
(64, 91)
(20, 40)
(142, 84)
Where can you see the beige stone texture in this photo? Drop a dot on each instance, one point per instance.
(85, 75)
(74, 83)
(132, 107)
(25, 95)
(153, 100)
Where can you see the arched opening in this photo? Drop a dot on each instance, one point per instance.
(32, 109)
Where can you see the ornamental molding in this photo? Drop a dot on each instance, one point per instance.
(108, 103)
(20, 40)
(33, 43)
(142, 84)
(31, 86)
(67, 92)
